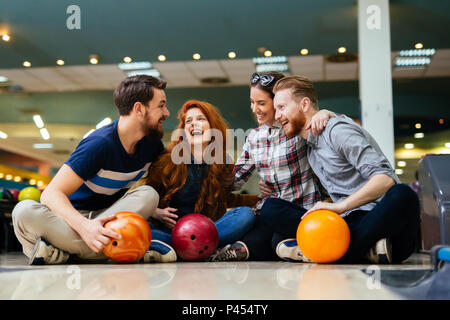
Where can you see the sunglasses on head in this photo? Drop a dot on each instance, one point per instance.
(264, 80)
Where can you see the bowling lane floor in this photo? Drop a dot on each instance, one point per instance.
(209, 281)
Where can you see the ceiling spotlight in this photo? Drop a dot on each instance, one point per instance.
(419, 135)
(418, 125)
(409, 145)
(93, 59)
(267, 53)
(418, 45)
(398, 171)
(3, 79)
(196, 56)
(162, 57)
(26, 64)
(401, 164)
(44, 133)
(447, 145)
(231, 54)
(38, 121)
(304, 52)
(127, 59)
(441, 121)
(6, 37)
(3, 135)
(342, 50)
(60, 62)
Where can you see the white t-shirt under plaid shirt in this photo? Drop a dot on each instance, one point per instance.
(281, 162)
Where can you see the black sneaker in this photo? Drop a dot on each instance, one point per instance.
(237, 251)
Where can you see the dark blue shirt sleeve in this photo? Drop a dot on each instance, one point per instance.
(88, 158)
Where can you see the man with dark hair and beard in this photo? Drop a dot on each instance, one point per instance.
(92, 185)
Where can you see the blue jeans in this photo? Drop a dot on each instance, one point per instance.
(233, 225)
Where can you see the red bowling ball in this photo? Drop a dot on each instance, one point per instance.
(195, 237)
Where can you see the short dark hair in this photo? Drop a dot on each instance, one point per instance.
(136, 89)
(275, 74)
(300, 87)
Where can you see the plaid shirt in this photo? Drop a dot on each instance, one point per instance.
(281, 162)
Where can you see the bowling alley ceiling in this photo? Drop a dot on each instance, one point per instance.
(73, 97)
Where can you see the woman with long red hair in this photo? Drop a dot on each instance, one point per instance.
(189, 177)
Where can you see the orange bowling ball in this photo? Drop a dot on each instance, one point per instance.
(135, 241)
(323, 236)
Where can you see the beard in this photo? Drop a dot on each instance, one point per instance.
(295, 125)
(154, 131)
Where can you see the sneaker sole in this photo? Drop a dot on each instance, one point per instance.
(288, 253)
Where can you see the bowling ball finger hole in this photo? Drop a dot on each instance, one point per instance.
(201, 251)
(206, 247)
(114, 243)
(193, 237)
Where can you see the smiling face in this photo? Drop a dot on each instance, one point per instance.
(154, 115)
(261, 104)
(195, 127)
(289, 113)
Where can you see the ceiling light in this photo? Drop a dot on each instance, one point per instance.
(401, 164)
(38, 121)
(162, 57)
(40, 183)
(6, 37)
(409, 145)
(9, 177)
(103, 123)
(196, 56)
(412, 62)
(32, 181)
(231, 54)
(42, 146)
(272, 67)
(342, 50)
(399, 171)
(267, 53)
(419, 135)
(2, 175)
(441, 121)
(60, 62)
(418, 45)
(127, 59)
(44, 133)
(17, 179)
(135, 65)
(3, 135)
(26, 64)
(417, 53)
(3, 79)
(447, 145)
(93, 59)
(304, 52)
(418, 125)
(149, 72)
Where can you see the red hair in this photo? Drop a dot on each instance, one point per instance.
(173, 176)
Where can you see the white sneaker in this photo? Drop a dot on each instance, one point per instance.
(381, 252)
(159, 252)
(44, 253)
(288, 250)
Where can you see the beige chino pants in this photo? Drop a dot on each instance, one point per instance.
(32, 220)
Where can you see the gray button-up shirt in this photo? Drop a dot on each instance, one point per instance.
(344, 157)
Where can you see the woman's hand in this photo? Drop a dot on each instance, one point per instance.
(319, 121)
(166, 216)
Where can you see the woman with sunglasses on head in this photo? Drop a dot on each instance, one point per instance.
(283, 167)
(189, 181)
